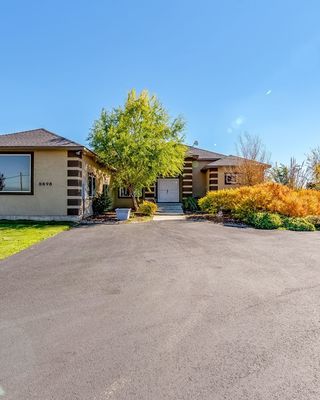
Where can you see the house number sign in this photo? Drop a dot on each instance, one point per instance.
(45, 183)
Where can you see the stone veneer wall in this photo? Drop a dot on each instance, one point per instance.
(187, 178)
(74, 190)
(150, 194)
(213, 179)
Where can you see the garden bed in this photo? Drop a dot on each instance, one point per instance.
(266, 206)
(110, 218)
(224, 220)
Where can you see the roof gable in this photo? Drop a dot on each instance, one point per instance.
(36, 138)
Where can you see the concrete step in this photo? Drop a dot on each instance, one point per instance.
(170, 213)
(170, 209)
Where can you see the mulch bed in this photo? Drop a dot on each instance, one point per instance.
(106, 218)
(224, 220)
(110, 218)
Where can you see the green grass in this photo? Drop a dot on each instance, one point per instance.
(18, 235)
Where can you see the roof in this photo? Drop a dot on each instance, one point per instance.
(231, 161)
(202, 154)
(226, 161)
(36, 138)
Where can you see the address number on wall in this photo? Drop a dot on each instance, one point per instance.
(45, 183)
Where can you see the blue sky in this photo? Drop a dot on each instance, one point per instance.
(226, 66)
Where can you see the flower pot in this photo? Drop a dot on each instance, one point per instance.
(123, 213)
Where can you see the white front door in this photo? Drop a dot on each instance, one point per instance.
(168, 190)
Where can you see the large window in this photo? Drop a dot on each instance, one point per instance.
(16, 173)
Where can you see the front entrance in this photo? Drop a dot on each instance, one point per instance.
(168, 190)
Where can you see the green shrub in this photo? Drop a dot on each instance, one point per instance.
(264, 220)
(190, 204)
(314, 220)
(298, 224)
(101, 203)
(147, 208)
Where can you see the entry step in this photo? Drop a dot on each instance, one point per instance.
(170, 208)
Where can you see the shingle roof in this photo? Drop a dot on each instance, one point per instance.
(226, 161)
(231, 161)
(204, 154)
(36, 138)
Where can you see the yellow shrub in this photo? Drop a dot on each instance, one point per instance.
(269, 196)
(148, 208)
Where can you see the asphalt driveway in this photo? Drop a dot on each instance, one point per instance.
(162, 310)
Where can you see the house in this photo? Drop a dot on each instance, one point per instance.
(203, 171)
(45, 176)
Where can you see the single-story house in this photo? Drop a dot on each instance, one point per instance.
(45, 176)
(203, 171)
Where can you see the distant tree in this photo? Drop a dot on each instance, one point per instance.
(293, 175)
(2, 182)
(139, 142)
(280, 174)
(254, 159)
(313, 167)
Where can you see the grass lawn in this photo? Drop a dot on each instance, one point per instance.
(18, 235)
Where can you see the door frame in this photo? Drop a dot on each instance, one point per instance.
(178, 178)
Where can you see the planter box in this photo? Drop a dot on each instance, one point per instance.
(123, 214)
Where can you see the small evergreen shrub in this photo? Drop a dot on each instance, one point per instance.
(190, 204)
(298, 224)
(265, 220)
(148, 208)
(314, 220)
(101, 203)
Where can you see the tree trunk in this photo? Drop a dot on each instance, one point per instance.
(134, 199)
(134, 202)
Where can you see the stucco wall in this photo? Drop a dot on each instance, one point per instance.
(49, 166)
(221, 175)
(199, 183)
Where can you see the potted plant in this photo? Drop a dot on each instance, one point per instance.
(123, 214)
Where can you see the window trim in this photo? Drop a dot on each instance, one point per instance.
(31, 154)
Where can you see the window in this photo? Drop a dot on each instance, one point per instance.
(16, 173)
(91, 185)
(230, 178)
(105, 188)
(123, 192)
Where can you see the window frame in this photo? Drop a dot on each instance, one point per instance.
(105, 188)
(93, 187)
(120, 196)
(28, 153)
(235, 174)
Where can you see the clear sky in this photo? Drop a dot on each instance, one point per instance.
(227, 66)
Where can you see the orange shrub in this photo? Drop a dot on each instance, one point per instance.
(268, 196)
